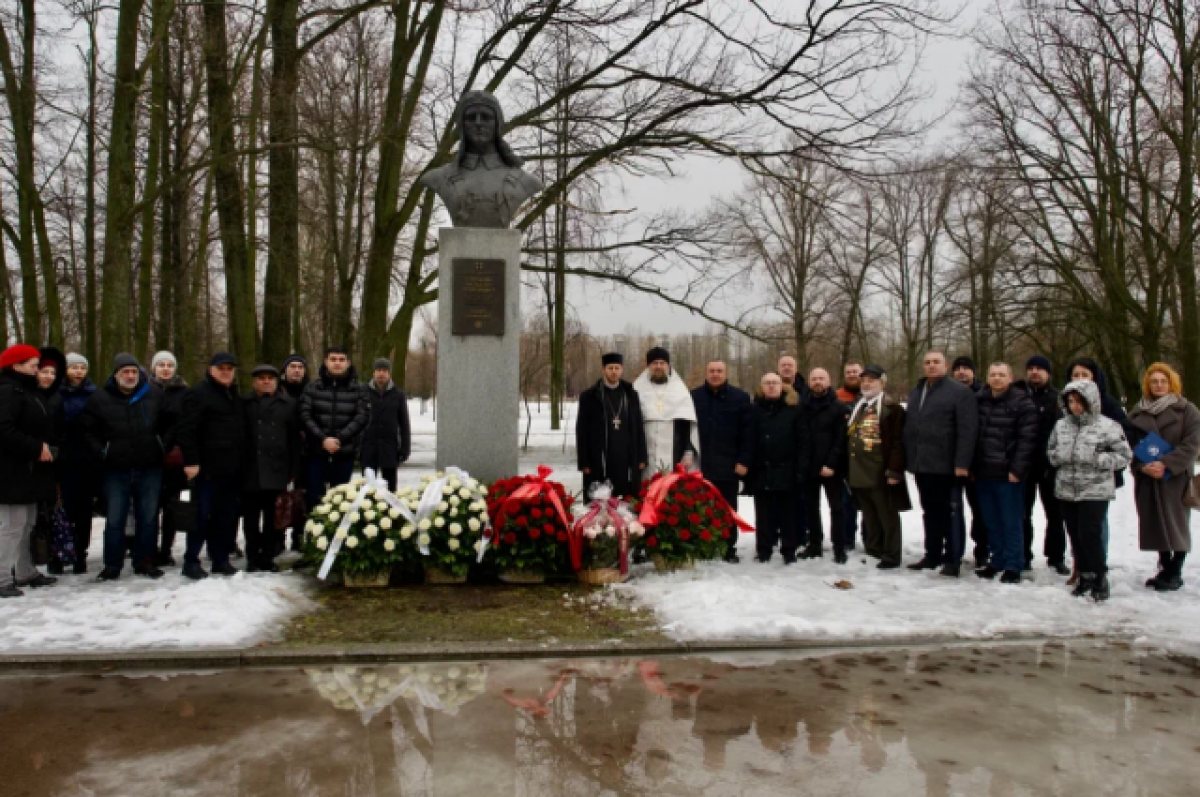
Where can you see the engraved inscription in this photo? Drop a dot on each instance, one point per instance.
(478, 301)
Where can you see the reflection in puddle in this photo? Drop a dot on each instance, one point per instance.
(1018, 720)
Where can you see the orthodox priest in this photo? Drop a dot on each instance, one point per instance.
(609, 436)
(670, 415)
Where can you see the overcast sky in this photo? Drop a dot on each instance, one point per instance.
(607, 311)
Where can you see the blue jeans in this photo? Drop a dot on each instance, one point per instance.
(324, 472)
(1002, 507)
(217, 518)
(121, 488)
(850, 513)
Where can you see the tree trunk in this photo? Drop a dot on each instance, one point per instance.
(280, 292)
(91, 343)
(239, 283)
(119, 216)
(158, 108)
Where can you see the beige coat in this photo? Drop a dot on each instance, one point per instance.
(1163, 520)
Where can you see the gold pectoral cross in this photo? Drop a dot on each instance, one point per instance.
(658, 402)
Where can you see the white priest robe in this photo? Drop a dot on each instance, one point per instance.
(662, 406)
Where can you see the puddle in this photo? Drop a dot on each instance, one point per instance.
(1050, 719)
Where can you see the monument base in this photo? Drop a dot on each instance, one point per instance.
(478, 375)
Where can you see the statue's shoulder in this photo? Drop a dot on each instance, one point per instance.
(528, 182)
(439, 178)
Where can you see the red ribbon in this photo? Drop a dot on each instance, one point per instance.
(598, 506)
(531, 489)
(657, 495)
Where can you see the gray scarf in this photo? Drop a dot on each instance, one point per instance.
(1156, 406)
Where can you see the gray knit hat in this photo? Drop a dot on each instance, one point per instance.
(163, 356)
(384, 363)
(77, 359)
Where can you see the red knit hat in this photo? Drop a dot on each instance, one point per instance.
(20, 353)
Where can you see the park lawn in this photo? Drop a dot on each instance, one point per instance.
(490, 613)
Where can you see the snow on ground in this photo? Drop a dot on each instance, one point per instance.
(770, 601)
(717, 601)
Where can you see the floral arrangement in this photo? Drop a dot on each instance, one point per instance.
(531, 523)
(450, 515)
(362, 529)
(686, 518)
(369, 690)
(603, 534)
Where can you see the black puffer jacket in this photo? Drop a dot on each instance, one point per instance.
(1049, 407)
(212, 432)
(782, 444)
(25, 426)
(173, 390)
(388, 439)
(126, 432)
(335, 407)
(827, 416)
(1008, 429)
(272, 441)
(725, 422)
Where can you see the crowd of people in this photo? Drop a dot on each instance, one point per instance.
(996, 446)
(132, 444)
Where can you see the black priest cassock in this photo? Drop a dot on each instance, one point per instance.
(610, 436)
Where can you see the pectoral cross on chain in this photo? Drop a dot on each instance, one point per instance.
(658, 401)
(617, 424)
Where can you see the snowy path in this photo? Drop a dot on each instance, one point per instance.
(717, 601)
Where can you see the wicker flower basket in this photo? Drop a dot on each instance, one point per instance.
(522, 577)
(434, 575)
(362, 580)
(601, 575)
(662, 565)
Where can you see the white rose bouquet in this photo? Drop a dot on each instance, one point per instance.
(450, 532)
(362, 528)
(369, 690)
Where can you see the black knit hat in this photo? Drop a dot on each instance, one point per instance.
(964, 361)
(658, 353)
(124, 360)
(295, 358)
(1039, 361)
(384, 363)
(612, 358)
(875, 371)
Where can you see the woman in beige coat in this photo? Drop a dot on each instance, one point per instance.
(1160, 487)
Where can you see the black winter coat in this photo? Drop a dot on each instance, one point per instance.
(75, 451)
(725, 421)
(940, 432)
(388, 439)
(335, 407)
(1049, 407)
(25, 426)
(827, 416)
(1008, 430)
(782, 444)
(591, 435)
(212, 432)
(126, 432)
(272, 441)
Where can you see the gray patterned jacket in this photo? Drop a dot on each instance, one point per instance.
(1086, 449)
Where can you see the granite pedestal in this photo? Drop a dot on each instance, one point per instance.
(479, 388)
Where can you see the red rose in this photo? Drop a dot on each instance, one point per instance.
(706, 535)
(512, 507)
(548, 528)
(694, 519)
(510, 538)
(537, 513)
(642, 494)
(725, 534)
(534, 533)
(674, 521)
(651, 542)
(690, 503)
(562, 536)
(685, 535)
(487, 533)
(708, 513)
(522, 521)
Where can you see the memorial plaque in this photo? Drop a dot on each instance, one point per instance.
(478, 302)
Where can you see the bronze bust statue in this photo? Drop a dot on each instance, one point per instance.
(485, 184)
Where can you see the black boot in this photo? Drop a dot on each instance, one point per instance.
(950, 571)
(1060, 568)
(1087, 581)
(1171, 577)
(1164, 564)
(109, 574)
(1011, 577)
(80, 566)
(839, 555)
(811, 552)
(10, 592)
(38, 581)
(147, 569)
(988, 572)
(1100, 588)
(924, 564)
(194, 572)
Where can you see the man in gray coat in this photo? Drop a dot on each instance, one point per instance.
(939, 444)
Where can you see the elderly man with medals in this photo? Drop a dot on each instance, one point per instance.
(609, 436)
(876, 470)
(669, 414)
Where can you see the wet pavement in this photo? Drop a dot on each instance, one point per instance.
(1050, 719)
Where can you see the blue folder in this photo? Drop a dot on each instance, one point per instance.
(1152, 449)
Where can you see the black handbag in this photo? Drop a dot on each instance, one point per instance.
(182, 515)
(39, 539)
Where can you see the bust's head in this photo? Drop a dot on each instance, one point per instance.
(481, 128)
